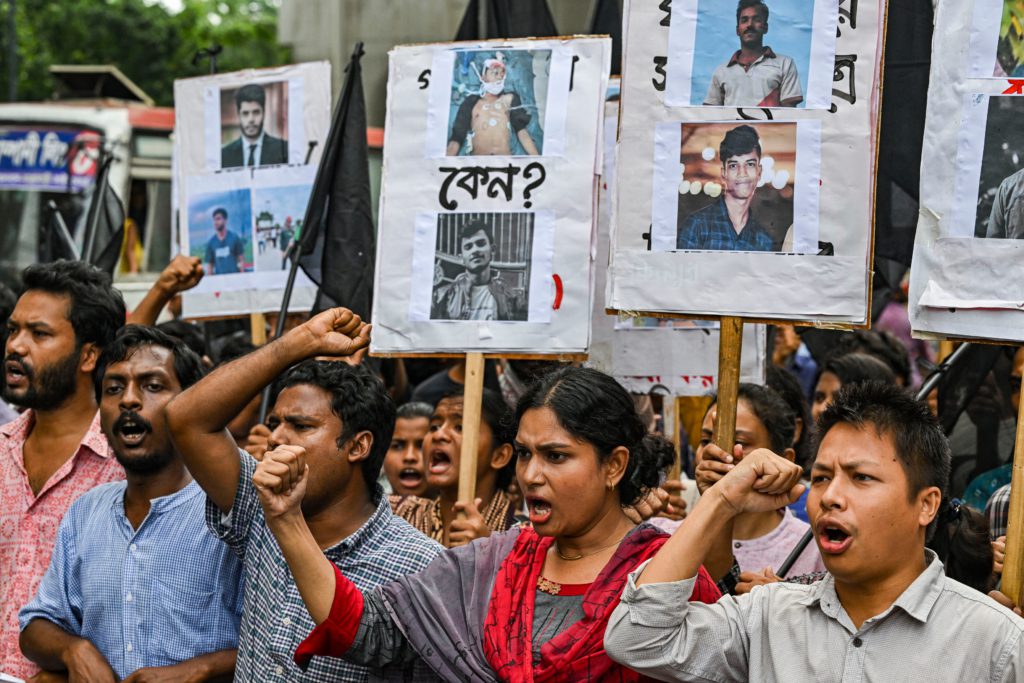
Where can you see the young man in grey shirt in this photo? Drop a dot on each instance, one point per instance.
(886, 611)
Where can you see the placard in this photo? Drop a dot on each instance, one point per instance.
(491, 156)
(759, 211)
(247, 148)
(969, 254)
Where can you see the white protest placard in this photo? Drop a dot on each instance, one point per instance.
(746, 184)
(247, 145)
(967, 278)
(491, 155)
(677, 356)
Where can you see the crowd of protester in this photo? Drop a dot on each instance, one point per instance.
(153, 528)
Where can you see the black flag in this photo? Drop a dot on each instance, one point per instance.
(608, 20)
(104, 224)
(336, 245)
(56, 241)
(508, 19)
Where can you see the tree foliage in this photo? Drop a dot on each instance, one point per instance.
(150, 44)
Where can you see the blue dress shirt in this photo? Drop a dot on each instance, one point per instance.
(153, 596)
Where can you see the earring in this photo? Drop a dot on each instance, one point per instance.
(610, 485)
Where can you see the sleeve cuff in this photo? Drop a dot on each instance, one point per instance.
(335, 635)
(659, 605)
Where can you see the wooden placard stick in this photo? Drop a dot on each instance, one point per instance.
(729, 349)
(1013, 567)
(678, 439)
(258, 328)
(472, 399)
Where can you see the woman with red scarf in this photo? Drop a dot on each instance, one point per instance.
(529, 604)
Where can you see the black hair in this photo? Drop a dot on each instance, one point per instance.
(773, 412)
(962, 543)
(881, 345)
(788, 388)
(470, 228)
(594, 408)
(96, 311)
(495, 413)
(746, 4)
(853, 368)
(413, 410)
(186, 332)
(233, 348)
(251, 93)
(917, 438)
(359, 398)
(739, 141)
(188, 366)
(8, 300)
(222, 211)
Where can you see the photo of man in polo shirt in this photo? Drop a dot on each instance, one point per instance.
(754, 76)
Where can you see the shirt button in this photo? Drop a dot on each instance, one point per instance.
(128, 647)
(134, 548)
(857, 642)
(128, 598)
(280, 670)
(286, 621)
(739, 545)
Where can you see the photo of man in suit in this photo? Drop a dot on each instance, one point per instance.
(255, 147)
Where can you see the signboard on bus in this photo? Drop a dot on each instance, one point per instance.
(48, 159)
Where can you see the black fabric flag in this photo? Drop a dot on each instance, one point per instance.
(56, 241)
(904, 98)
(508, 19)
(105, 224)
(608, 20)
(336, 245)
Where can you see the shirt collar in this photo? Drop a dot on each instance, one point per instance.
(259, 141)
(377, 522)
(94, 440)
(917, 600)
(158, 506)
(767, 54)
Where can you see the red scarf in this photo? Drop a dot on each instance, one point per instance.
(576, 654)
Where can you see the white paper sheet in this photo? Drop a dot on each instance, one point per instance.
(829, 289)
(422, 187)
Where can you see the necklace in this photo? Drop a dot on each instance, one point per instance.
(582, 555)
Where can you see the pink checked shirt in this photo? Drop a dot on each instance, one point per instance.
(28, 523)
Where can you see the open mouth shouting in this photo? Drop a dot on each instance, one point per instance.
(131, 429)
(16, 374)
(834, 538)
(440, 462)
(540, 510)
(410, 477)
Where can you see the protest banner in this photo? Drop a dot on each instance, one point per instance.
(966, 281)
(489, 255)
(246, 148)
(746, 185)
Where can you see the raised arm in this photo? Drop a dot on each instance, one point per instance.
(198, 417)
(761, 481)
(182, 273)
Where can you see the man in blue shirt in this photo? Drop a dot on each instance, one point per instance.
(729, 224)
(225, 252)
(137, 583)
(343, 418)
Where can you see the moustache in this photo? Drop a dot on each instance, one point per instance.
(130, 417)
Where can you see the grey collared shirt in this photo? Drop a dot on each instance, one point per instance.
(938, 630)
(1007, 217)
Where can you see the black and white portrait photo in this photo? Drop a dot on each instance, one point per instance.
(482, 267)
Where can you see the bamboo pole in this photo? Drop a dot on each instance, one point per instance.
(729, 350)
(471, 405)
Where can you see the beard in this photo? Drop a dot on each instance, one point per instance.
(51, 387)
(151, 462)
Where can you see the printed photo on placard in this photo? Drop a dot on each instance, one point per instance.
(254, 125)
(220, 231)
(736, 187)
(498, 100)
(279, 213)
(482, 267)
(997, 39)
(751, 53)
(989, 201)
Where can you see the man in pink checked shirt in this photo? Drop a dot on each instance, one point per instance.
(55, 451)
